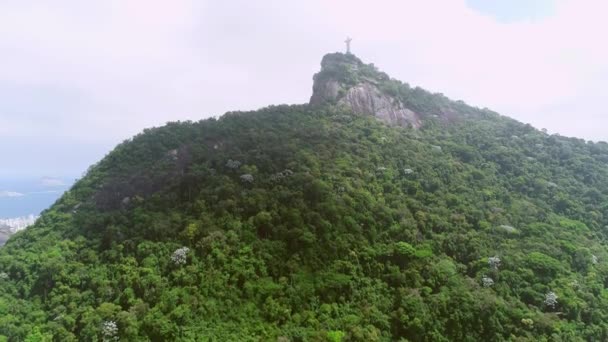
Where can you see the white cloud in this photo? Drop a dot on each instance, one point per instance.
(110, 68)
(10, 194)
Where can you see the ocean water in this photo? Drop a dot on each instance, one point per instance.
(23, 197)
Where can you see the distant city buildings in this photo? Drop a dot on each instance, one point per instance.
(18, 223)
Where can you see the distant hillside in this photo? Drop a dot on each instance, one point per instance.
(378, 212)
(5, 233)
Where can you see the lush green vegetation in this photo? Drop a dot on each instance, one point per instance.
(294, 223)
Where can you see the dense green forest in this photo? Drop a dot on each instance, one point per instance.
(303, 223)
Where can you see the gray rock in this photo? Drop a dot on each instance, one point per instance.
(343, 81)
(323, 92)
(366, 99)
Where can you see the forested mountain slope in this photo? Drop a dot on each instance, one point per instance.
(315, 223)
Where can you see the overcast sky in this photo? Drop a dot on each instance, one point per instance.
(78, 77)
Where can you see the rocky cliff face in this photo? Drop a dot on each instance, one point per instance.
(365, 98)
(345, 80)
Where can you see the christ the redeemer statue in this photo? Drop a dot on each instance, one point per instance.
(347, 41)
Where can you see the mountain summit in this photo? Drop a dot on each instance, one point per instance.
(378, 212)
(346, 81)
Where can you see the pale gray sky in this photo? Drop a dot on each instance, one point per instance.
(78, 77)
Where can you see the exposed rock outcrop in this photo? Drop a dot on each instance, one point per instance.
(325, 92)
(345, 80)
(365, 98)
